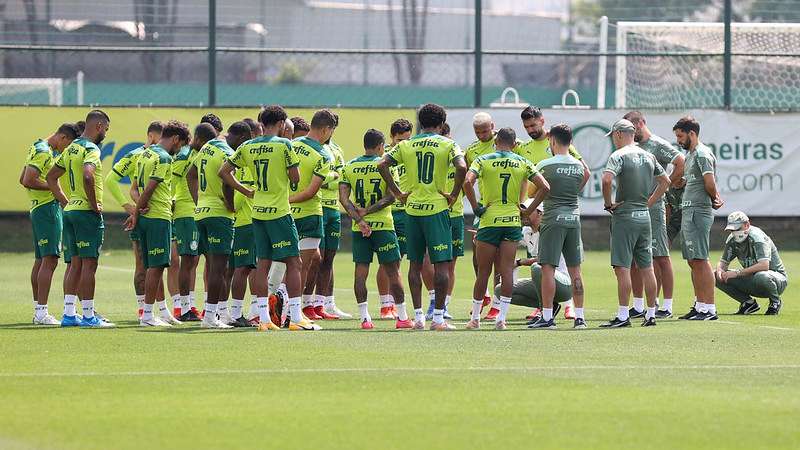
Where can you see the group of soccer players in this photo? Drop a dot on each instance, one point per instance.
(260, 201)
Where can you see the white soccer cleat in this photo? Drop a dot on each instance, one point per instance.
(225, 318)
(171, 320)
(338, 312)
(153, 322)
(214, 323)
(46, 320)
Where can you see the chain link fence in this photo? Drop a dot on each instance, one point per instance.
(670, 54)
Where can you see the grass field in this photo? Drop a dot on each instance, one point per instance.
(731, 384)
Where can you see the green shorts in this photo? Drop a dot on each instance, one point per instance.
(66, 241)
(244, 250)
(658, 229)
(399, 216)
(186, 236)
(133, 235)
(84, 231)
(309, 227)
(457, 233)
(496, 235)
(556, 240)
(431, 234)
(276, 239)
(331, 229)
(215, 235)
(674, 224)
(154, 241)
(383, 243)
(527, 291)
(630, 239)
(695, 230)
(48, 223)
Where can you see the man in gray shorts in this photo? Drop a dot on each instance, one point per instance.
(700, 199)
(635, 171)
(762, 273)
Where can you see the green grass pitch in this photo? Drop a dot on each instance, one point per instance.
(732, 384)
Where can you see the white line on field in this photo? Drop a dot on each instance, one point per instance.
(389, 369)
(776, 328)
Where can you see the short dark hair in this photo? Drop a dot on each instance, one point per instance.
(69, 130)
(81, 124)
(271, 115)
(156, 126)
(506, 136)
(431, 115)
(254, 126)
(531, 112)
(241, 129)
(562, 133)
(687, 124)
(445, 129)
(175, 128)
(300, 124)
(336, 118)
(212, 120)
(634, 116)
(96, 115)
(323, 118)
(373, 138)
(400, 126)
(205, 132)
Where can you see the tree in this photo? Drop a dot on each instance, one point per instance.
(772, 11)
(157, 17)
(623, 10)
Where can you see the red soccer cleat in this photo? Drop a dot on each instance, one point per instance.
(388, 313)
(320, 311)
(534, 314)
(254, 321)
(569, 313)
(367, 325)
(199, 314)
(309, 312)
(492, 314)
(176, 312)
(404, 324)
(141, 312)
(275, 309)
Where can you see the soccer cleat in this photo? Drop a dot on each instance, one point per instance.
(541, 323)
(651, 322)
(387, 313)
(275, 303)
(225, 317)
(153, 322)
(304, 325)
(254, 321)
(214, 323)
(429, 314)
(320, 311)
(704, 316)
(70, 321)
(500, 325)
(268, 326)
(367, 325)
(492, 314)
(663, 314)
(635, 314)
(443, 326)
(536, 313)
(487, 300)
(569, 312)
(579, 324)
(197, 313)
(446, 315)
(46, 320)
(310, 314)
(141, 312)
(334, 310)
(473, 324)
(190, 316)
(170, 319)
(748, 307)
(95, 322)
(688, 316)
(101, 318)
(404, 324)
(176, 312)
(419, 325)
(774, 307)
(616, 323)
(241, 322)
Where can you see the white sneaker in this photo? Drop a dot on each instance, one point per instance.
(170, 319)
(333, 309)
(214, 323)
(46, 320)
(225, 317)
(154, 322)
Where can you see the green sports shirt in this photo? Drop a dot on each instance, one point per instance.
(479, 148)
(664, 152)
(242, 203)
(399, 176)
(699, 162)
(80, 153)
(329, 191)
(268, 158)
(125, 167)
(457, 209)
(501, 175)
(314, 161)
(537, 151)
(368, 187)
(41, 157)
(757, 247)
(156, 164)
(184, 203)
(565, 176)
(635, 170)
(427, 158)
(210, 197)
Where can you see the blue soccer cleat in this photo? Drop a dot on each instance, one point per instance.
(70, 321)
(95, 322)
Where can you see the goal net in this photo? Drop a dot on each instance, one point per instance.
(32, 91)
(765, 65)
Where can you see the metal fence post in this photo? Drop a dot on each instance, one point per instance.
(727, 56)
(212, 52)
(478, 53)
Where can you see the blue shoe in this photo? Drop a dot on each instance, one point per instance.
(94, 322)
(429, 314)
(70, 321)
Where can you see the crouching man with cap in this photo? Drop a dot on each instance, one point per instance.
(762, 274)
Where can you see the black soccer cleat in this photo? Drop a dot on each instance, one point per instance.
(580, 324)
(704, 316)
(663, 314)
(635, 314)
(688, 316)
(241, 322)
(651, 322)
(556, 309)
(748, 307)
(189, 316)
(541, 323)
(616, 323)
(774, 307)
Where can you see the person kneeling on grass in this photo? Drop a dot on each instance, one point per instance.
(762, 274)
(528, 291)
